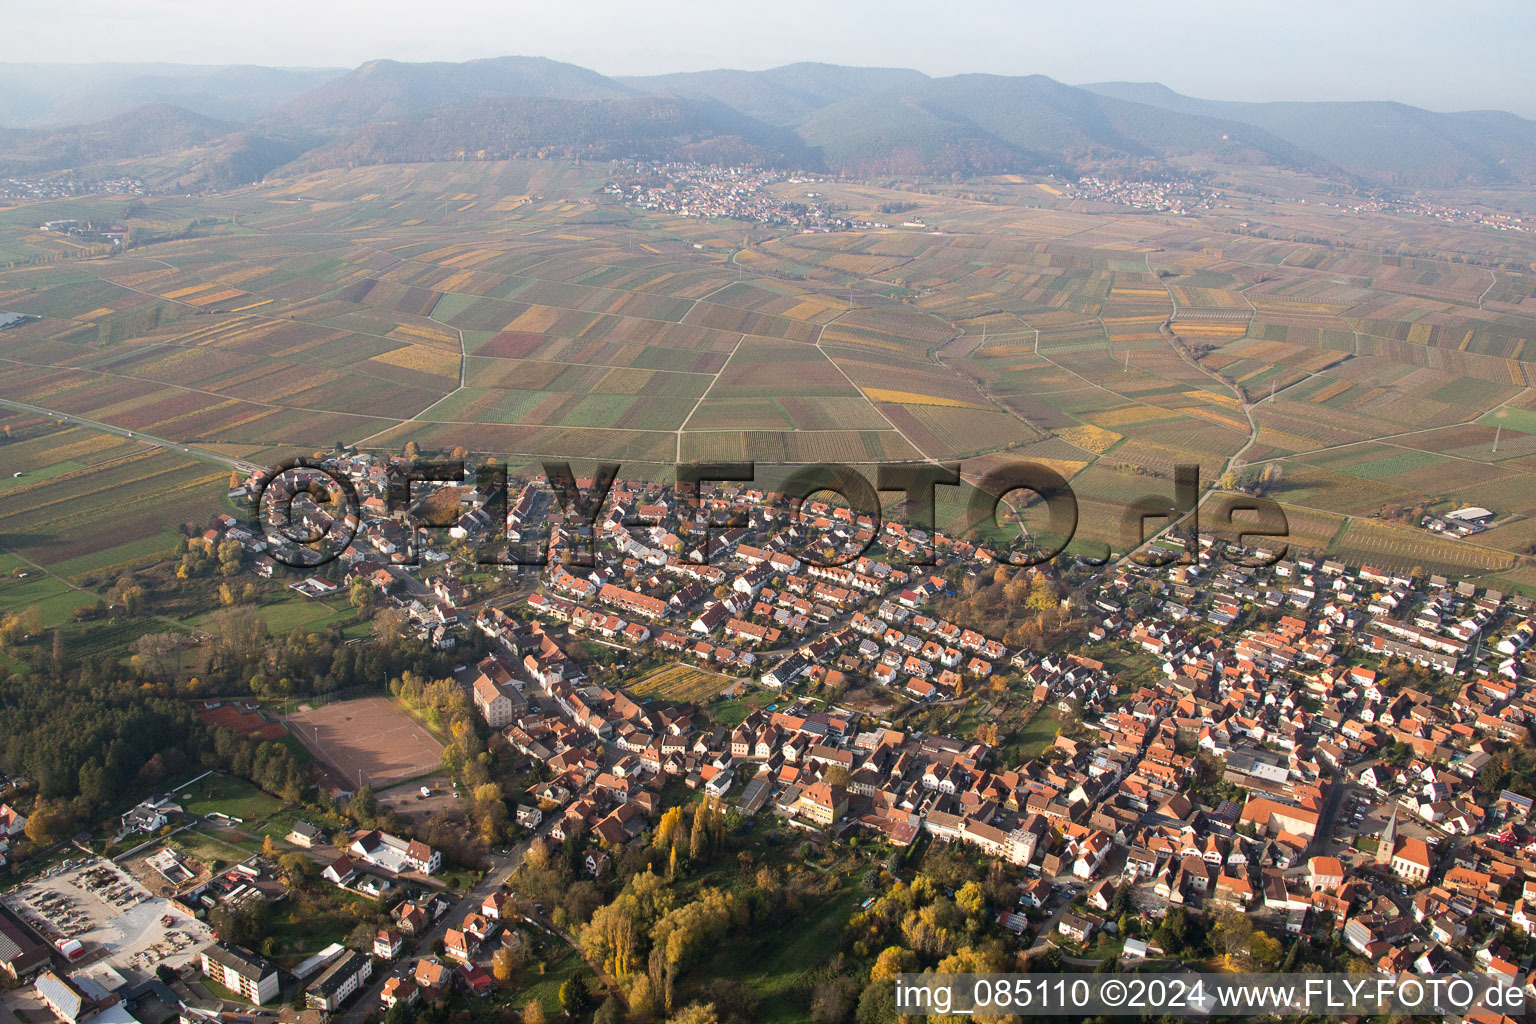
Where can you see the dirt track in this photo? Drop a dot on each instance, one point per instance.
(370, 735)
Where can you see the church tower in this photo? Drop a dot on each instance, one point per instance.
(1388, 842)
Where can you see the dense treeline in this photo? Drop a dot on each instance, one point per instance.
(233, 652)
(654, 925)
(244, 658)
(87, 729)
(101, 714)
(79, 738)
(88, 747)
(489, 771)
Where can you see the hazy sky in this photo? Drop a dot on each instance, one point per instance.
(1473, 54)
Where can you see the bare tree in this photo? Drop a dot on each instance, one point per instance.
(158, 654)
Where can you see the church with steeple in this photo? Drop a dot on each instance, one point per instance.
(1407, 858)
(1388, 842)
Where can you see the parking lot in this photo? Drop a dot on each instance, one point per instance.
(111, 915)
(408, 801)
(1364, 815)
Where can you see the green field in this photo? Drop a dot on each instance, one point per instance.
(289, 610)
(47, 472)
(95, 639)
(88, 519)
(303, 924)
(53, 598)
(1523, 420)
(147, 548)
(228, 795)
(777, 962)
(563, 963)
(208, 849)
(734, 711)
(1038, 734)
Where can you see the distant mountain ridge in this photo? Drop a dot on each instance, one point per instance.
(970, 124)
(871, 121)
(213, 153)
(781, 95)
(384, 90)
(1381, 141)
(507, 127)
(51, 96)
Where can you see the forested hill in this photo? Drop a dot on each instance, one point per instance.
(811, 116)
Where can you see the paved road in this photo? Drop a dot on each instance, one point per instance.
(1048, 927)
(501, 869)
(137, 435)
(1338, 785)
(368, 1000)
(1042, 940)
(411, 585)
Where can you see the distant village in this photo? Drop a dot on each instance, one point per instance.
(1433, 209)
(737, 193)
(53, 186)
(1172, 195)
